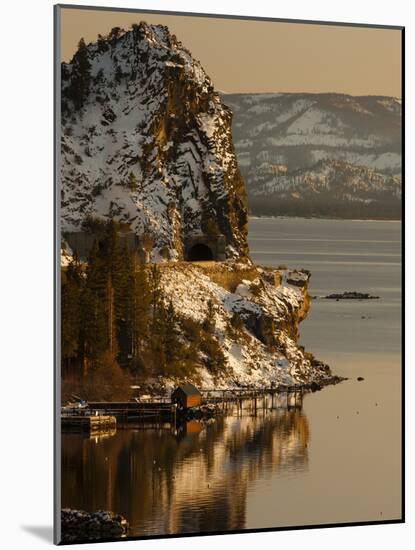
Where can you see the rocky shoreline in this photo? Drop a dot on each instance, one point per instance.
(78, 525)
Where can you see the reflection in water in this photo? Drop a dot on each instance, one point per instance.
(195, 478)
(254, 472)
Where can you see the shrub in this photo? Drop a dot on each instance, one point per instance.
(106, 381)
(255, 289)
(97, 190)
(191, 328)
(209, 322)
(215, 360)
(237, 322)
(165, 252)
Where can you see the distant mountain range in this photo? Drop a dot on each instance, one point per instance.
(319, 154)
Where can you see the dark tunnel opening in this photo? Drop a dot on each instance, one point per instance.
(200, 253)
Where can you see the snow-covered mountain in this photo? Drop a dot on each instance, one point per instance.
(319, 153)
(147, 141)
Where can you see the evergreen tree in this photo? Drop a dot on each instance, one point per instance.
(124, 284)
(81, 75)
(209, 322)
(155, 289)
(141, 310)
(115, 258)
(114, 33)
(215, 359)
(118, 310)
(158, 320)
(70, 312)
(118, 73)
(172, 347)
(158, 334)
(102, 45)
(94, 307)
(132, 182)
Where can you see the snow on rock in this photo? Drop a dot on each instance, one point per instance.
(148, 143)
(66, 254)
(243, 289)
(328, 178)
(331, 146)
(265, 350)
(151, 144)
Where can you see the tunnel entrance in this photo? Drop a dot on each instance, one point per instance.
(200, 253)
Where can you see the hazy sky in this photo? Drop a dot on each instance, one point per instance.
(262, 56)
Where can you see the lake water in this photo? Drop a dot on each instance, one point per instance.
(335, 460)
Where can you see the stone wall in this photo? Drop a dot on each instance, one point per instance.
(229, 277)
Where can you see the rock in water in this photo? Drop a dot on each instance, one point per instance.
(146, 140)
(77, 525)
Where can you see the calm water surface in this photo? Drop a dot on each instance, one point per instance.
(335, 460)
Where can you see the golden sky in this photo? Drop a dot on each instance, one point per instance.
(265, 56)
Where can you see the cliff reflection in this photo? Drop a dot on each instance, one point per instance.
(193, 479)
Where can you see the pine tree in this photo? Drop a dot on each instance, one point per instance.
(118, 73)
(157, 339)
(94, 308)
(81, 75)
(158, 320)
(114, 33)
(70, 312)
(172, 345)
(102, 45)
(125, 304)
(132, 182)
(155, 288)
(209, 322)
(141, 310)
(115, 259)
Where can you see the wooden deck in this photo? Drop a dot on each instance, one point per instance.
(291, 396)
(95, 423)
(213, 395)
(102, 415)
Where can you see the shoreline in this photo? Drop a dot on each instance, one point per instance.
(324, 218)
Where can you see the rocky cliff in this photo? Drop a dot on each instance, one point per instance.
(255, 323)
(146, 140)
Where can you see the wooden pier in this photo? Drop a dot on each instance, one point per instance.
(282, 396)
(103, 415)
(90, 423)
(108, 415)
(293, 396)
(132, 411)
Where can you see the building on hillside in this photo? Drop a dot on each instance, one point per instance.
(186, 396)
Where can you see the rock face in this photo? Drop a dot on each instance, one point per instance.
(77, 525)
(260, 349)
(319, 154)
(147, 141)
